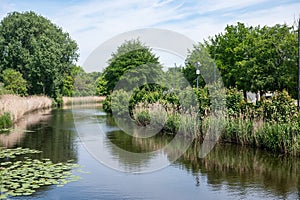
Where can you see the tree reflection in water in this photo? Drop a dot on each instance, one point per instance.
(235, 166)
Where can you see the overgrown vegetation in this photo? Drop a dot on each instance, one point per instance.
(272, 124)
(14, 83)
(17, 106)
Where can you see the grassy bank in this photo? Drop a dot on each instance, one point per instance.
(274, 136)
(13, 108)
(271, 124)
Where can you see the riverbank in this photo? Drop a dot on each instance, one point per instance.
(13, 107)
(270, 124)
(82, 100)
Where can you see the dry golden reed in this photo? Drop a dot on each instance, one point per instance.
(19, 106)
(83, 100)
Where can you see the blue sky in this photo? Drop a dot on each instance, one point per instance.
(91, 22)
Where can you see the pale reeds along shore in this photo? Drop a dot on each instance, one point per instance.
(20, 127)
(82, 100)
(18, 106)
(13, 107)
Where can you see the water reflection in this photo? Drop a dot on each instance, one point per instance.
(241, 168)
(137, 152)
(50, 131)
(229, 171)
(235, 167)
(20, 128)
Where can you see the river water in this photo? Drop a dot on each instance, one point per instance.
(227, 172)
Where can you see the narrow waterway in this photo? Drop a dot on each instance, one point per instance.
(228, 172)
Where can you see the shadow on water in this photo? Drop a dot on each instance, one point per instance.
(239, 168)
(50, 131)
(244, 167)
(19, 130)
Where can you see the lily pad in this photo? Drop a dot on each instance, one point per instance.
(22, 177)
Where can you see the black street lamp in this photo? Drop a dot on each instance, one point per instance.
(198, 64)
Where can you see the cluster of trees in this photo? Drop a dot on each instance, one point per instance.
(257, 59)
(36, 56)
(83, 83)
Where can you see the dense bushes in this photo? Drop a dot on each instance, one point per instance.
(5, 121)
(14, 82)
(272, 124)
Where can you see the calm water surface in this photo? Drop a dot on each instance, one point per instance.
(228, 172)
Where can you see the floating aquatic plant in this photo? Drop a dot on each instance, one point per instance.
(21, 177)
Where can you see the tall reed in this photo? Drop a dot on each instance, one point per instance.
(168, 117)
(82, 100)
(18, 106)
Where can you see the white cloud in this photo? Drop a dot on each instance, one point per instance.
(221, 5)
(271, 16)
(92, 22)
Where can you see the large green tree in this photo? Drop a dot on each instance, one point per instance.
(256, 59)
(37, 48)
(128, 57)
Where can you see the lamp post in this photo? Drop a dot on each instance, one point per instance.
(198, 64)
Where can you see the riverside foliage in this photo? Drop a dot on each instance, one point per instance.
(272, 124)
(13, 107)
(32, 45)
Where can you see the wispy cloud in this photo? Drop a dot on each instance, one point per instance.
(92, 22)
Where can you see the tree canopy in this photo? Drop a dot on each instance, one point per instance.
(130, 55)
(39, 50)
(257, 59)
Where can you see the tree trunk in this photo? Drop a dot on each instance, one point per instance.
(245, 95)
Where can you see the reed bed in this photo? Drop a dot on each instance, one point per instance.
(276, 136)
(19, 131)
(169, 118)
(82, 100)
(18, 106)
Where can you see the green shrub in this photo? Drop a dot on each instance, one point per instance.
(5, 121)
(234, 101)
(143, 118)
(107, 104)
(172, 124)
(239, 131)
(280, 108)
(119, 103)
(280, 137)
(203, 99)
(14, 82)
